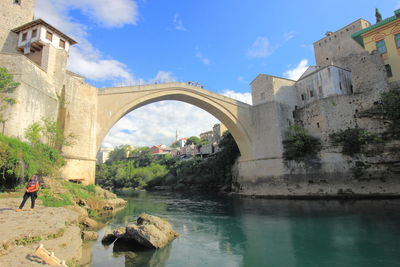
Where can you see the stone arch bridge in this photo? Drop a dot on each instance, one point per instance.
(256, 129)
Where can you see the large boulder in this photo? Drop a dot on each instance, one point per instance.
(151, 232)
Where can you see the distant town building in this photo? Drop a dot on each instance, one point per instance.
(218, 131)
(384, 37)
(181, 142)
(160, 150)
(207, 136)
(103, 154)
(191, 150)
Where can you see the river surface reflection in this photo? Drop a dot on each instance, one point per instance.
(225, 231)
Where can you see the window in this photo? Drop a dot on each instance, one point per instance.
(320, 90)
(311, 93)
(303, 97)
(340, 86)
(62, 43)
(34, 33)
(388, 70)
(18, 2)
(318, 124)
(24, 36)
(397, 39)
(49, 36)
(351, 89)
(381, 46)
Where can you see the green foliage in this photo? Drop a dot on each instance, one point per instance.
(299, 144)
(51, 200)
(27, 240)
(391, 111)
(122, 174)
(210, 173)
(32, 133)
(119, 153)
(353, 139)
(51, 132)
(141, 169)
(71, 192)
(141, 156)
(7, 86)
(20, 160)
(193, 140)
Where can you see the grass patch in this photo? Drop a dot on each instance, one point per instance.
(77, 190)
(71, 192)
(51, 200)
(93, 214)
(58, 234)
(27, 240)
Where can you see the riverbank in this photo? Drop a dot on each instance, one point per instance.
(65, 214)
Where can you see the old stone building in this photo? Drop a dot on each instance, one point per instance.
(36, 54)
(384, 37)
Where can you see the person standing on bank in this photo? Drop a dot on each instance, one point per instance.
(31, 191)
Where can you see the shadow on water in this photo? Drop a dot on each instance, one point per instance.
(138, 256)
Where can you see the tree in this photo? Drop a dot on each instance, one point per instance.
(119, 153)
(193, 140)
(33, 133)
(141, 156)
(378, 16)
(7, 86)
(49, 131)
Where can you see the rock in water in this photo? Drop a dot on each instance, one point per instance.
(151, 231)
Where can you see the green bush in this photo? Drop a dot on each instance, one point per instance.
(20, 160)
(299, 144)
(353, 139)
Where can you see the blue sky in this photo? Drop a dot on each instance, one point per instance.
(223, 44)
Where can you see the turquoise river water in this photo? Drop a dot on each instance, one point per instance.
(226, 231)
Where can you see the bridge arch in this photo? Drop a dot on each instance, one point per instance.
(114, 103)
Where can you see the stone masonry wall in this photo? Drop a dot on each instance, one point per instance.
(12, 16)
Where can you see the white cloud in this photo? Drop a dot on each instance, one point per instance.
(163, 77)
(260, 48)
(114, 13)
(288, 35)
(243, 97)
(157, 123)
(202, 58)
(295, 73)
(84, 58)
(178, 24)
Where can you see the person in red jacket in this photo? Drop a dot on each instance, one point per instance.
(31, 191)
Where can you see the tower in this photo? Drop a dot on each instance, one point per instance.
(13, 13)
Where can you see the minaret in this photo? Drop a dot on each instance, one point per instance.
(176, 135)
